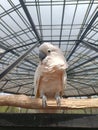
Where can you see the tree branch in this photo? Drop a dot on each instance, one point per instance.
(24, 101)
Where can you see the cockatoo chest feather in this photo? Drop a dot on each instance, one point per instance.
(50, 84)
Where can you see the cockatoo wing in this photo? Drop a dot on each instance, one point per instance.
(37, 77)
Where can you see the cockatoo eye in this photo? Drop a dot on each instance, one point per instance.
(49, 50)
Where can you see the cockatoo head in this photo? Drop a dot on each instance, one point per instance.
(47, 49)
(52, 56)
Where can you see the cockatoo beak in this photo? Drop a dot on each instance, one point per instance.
(42, 55)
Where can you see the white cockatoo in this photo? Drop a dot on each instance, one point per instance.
(50, 75)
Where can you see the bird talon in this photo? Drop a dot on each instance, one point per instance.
(58, 100)
(44, 101)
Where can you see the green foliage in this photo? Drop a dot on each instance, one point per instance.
(82, 111)
(10, 109)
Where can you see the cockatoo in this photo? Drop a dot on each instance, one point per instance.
(50, 75)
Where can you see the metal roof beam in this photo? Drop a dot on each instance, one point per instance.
(16, 62)
(89, 45)
(85, 62)
(83, 71)
(60, 40)
(13, 52)
(13, 48)
(30, 20)
(83, 35)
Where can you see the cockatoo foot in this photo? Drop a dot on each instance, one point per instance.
(58, 100)
(44, 101)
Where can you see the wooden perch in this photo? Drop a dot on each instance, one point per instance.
(24, 101)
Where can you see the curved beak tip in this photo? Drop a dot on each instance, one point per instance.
(42, 55)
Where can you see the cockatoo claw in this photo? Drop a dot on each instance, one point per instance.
(58, 100)
(44, 101)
